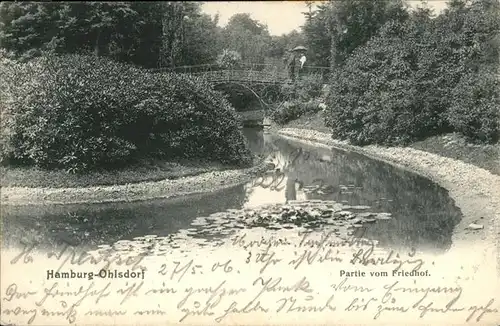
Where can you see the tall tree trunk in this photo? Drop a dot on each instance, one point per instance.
(333, 51)
(162, 59)
(172, 18)
(97, 45)
(177, 31)
(332, 31)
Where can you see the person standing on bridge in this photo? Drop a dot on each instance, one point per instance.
(302, 60)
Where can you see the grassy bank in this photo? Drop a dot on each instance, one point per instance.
(185, 180)
(450, 145)
(140, 172)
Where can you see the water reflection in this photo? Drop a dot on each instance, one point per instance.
(423, 215)
(88, 225)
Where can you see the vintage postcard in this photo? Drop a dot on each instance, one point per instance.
(250, 163)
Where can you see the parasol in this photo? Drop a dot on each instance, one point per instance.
(299, 48)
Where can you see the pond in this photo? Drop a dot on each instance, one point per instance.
(422, 215)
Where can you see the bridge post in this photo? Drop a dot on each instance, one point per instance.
(275, 74)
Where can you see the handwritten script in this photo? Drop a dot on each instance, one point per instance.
(259, 279)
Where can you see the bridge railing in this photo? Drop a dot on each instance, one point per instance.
(246, 72)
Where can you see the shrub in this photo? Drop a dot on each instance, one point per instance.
(475, 110)
(81, 113)
(292, 110)
(303, 96)
(406, 82)
(379, 96)
(305, 88)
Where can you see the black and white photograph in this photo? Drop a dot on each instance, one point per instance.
(250, 162)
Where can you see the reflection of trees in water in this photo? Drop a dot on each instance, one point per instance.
(257, 141)
(89, 225)
(423, 213)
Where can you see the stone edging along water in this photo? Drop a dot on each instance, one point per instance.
(205, 182)
(475, 191)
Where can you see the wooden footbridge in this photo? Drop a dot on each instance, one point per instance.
(263, 80)
(249, 74)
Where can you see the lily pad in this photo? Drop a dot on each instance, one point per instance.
(199, 223)
(360, 207)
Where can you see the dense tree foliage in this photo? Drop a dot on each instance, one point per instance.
(145, 33)
(279, 45)
(246, 36)
(148, 34)
(335, 29)
(317, 37)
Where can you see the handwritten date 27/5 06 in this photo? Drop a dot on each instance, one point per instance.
(180, 269)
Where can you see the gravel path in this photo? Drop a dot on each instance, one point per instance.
(475, 191)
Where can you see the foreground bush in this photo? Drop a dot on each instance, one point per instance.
(419, 78)
(378, 96)
(475, 110)
(81, 113)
